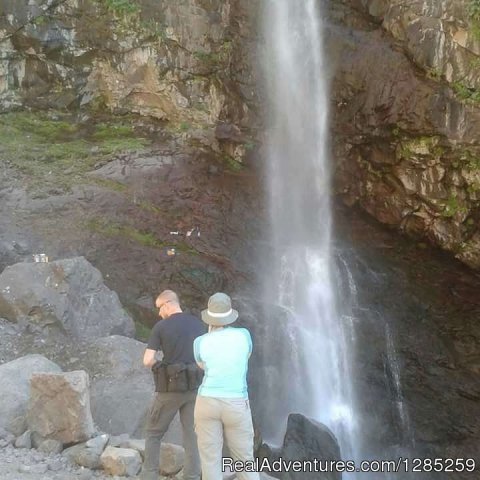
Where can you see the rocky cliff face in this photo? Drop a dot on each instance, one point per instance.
(183, 62)
(406, 90)
(176, 72)
(406, 116)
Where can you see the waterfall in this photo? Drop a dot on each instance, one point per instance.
(306, 357)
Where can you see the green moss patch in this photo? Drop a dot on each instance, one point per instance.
(465, 92)
(121, 7)
(52, 150)
(111, 184)
(473, 9)
(453, 206)
(232, 164)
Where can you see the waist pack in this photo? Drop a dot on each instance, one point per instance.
(176, 377)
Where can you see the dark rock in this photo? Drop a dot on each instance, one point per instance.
(271, 454)
(229, 132)
(306, 439)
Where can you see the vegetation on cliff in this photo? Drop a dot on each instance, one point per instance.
(55, 151)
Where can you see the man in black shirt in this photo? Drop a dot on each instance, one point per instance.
(174, 335)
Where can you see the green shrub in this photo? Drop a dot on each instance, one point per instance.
(474, 9)
(465, 92)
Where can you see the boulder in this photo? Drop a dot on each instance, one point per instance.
(71, 453)
(122, 387)
(172, 458)
(50, 446)
(24, 440)
(121, 461)
(59, 407)
(14, 379)
(68, 295)
(135, 444)
(98, 443)
(121, 404)
(119, 440)
(306, 439)
(87, 454)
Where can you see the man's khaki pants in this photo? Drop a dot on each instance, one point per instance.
(163, 410)
(215, 417)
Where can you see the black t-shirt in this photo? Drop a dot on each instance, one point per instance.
(175, 335)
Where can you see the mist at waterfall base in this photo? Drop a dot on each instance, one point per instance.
(308, 330)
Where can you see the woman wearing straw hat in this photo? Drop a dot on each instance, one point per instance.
(222, 406)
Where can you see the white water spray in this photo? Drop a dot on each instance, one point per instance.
(313, 349)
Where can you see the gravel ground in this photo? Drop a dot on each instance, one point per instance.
(30, 464)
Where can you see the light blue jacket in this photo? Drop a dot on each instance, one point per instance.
(224, 354)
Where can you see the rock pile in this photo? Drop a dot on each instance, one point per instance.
(56, 414)
(63, 311)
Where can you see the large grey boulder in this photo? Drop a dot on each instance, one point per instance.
(14, 391)
(121, 389)
(59, 407)
(68, 294)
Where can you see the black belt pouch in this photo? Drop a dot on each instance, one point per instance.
(177, 377)
(194, 376)
(160, 377)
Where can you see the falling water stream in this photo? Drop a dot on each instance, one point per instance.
(299, 280)
(312, 311)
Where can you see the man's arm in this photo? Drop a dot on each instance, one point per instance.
(149, 357)
(154, 344)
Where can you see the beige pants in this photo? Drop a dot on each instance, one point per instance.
(216, 417)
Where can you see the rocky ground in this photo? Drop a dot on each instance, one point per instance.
(25, 464)
(29, 464)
